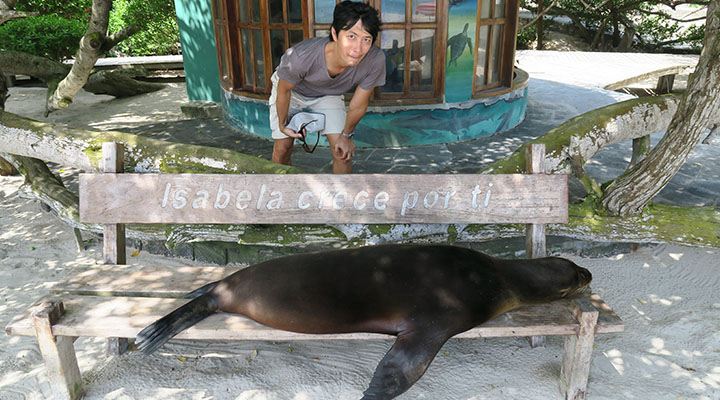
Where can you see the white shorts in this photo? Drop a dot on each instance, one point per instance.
(332, 106)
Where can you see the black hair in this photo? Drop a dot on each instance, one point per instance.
(347, 13)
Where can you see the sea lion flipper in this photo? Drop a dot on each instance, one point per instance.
(404, 363)
(187, 315)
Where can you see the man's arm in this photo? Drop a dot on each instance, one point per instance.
(345, 148)
(282, 105)
(357, 109)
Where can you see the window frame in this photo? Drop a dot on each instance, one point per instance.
(220, 25)
(264, 27)
(507, 49)
(231, 62)
(439, 26)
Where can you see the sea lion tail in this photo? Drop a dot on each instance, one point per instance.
(201, 290)
(164, 329)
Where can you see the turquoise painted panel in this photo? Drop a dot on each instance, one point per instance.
(250, 117)
(459, 57)
(409, 127)
(197, 38)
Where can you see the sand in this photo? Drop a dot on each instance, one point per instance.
(666, 294)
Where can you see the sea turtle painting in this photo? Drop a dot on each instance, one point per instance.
(457, 45)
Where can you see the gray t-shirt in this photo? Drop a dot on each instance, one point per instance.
(304, 66)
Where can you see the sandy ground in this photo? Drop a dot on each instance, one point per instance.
(667, 296)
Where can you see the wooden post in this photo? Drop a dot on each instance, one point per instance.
(640, 149)
(113, 155)
(665, 84)
(535, 233)
(113, 234)
(578, 352)
(57, 351)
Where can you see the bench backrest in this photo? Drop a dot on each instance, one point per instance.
(114, 198)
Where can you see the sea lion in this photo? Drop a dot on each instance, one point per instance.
(423, 294)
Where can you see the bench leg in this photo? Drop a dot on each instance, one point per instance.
(117, 346)
(578, 353)
(665, 84)
(58, 352)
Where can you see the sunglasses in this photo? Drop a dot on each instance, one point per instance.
(302, 131)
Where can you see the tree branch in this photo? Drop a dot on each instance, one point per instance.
(6, 16)
(537, 17)
(90, 50)
(79, 148)
(19, 63)
(117, 37)
(667, 16)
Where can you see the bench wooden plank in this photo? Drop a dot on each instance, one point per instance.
(126, 316)
(113, 234)
(175, 282)
(673, 70)
(322, 199)
(140, 281)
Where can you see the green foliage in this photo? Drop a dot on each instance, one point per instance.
(71, 9)
(159, 30)
(49, 36)
(658, 31)
(526, 37)
(603, 23)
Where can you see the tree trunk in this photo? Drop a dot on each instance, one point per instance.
(6, 5)
(641, 146)
(47, 187)
(115, 83)
(19, 63)
(699, 109)
(119, 84)
(540, 27)
(599, 35)
(6, 168)
(3, 90)
(616, 29)
(81, 149)
(627, 39)
(7, 11)
(91, 46)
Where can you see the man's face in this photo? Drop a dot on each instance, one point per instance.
(353, 44)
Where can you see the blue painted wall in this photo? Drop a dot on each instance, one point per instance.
(408, 127)
(197, 38)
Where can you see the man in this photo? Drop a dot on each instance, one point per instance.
(314, 74)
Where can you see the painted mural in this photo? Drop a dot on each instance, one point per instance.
(404, 126)
(459, 57)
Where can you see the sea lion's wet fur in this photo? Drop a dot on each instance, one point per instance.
(423, 294)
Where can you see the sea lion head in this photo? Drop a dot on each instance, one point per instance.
(549, 278)
(566, 278)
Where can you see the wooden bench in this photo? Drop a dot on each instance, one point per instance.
(117, 301)
(665, 78)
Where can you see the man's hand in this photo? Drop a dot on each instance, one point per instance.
(290, 133)
(344, 148)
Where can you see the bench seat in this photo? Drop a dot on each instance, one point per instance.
(120, 300)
